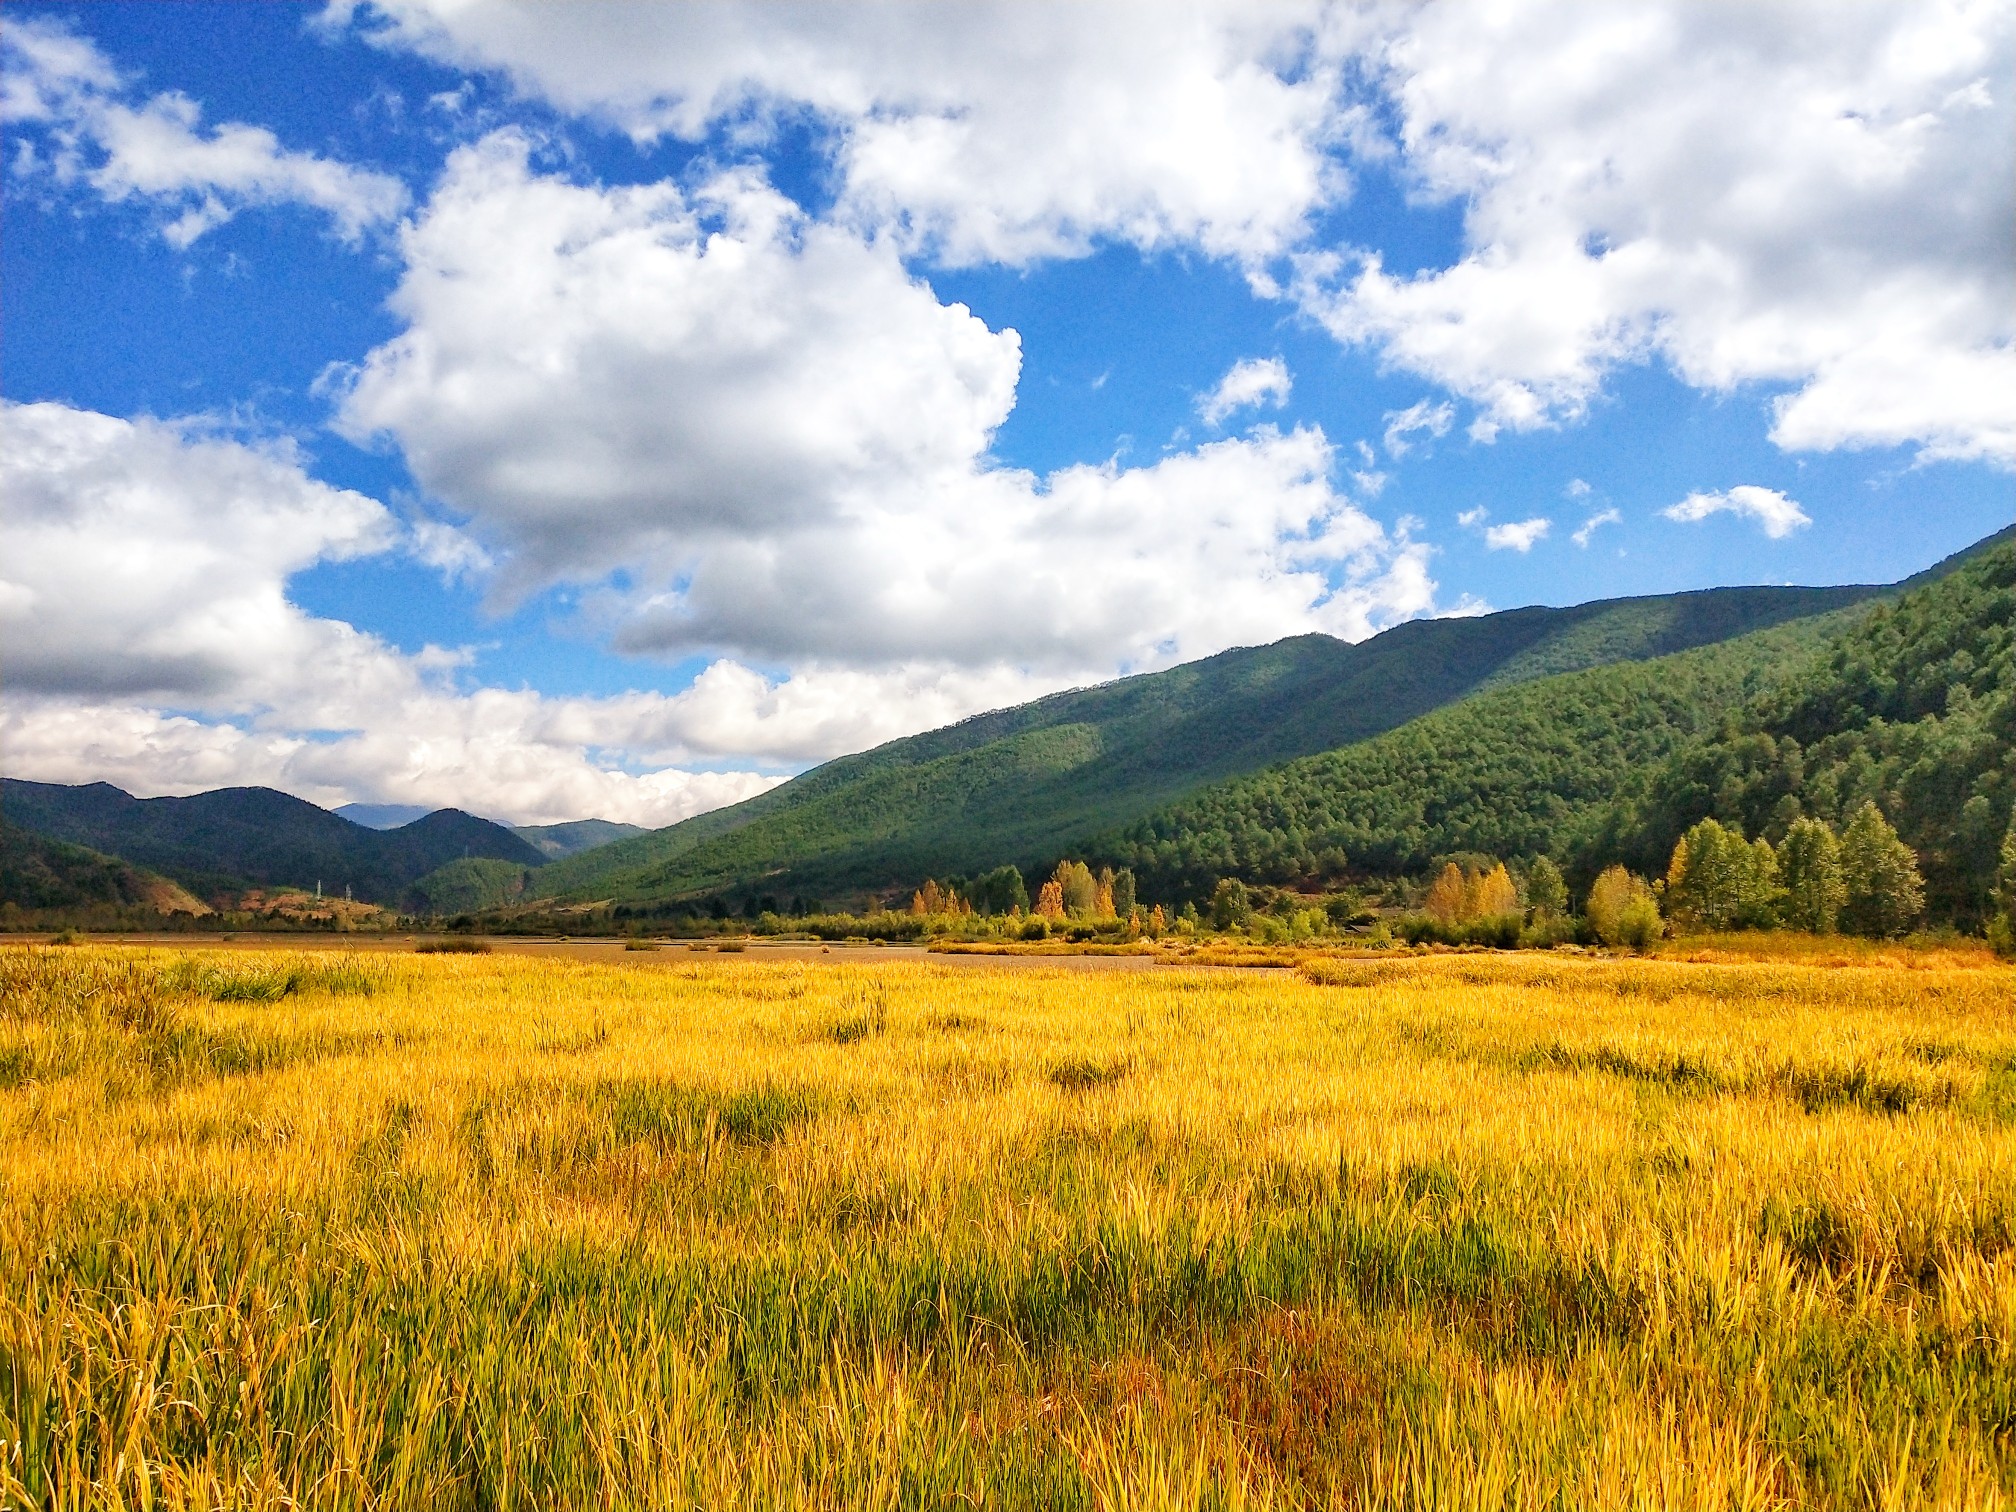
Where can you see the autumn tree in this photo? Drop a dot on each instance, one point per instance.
(1491, 895)
(1050, 900)
(1885, 893)
(1459, 897)
(1622, 910)
(1448, 898)
(1809, 870)
(1102, 896)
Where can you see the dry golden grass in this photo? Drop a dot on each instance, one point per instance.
(1424, 1231)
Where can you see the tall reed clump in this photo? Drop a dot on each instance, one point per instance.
(453, 1231)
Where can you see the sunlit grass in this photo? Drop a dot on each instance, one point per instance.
(1425, 1231)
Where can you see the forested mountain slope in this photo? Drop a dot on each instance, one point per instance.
(37, 872)
(1906, 703)
(1022, 784)
(574, 836)
(223, 841)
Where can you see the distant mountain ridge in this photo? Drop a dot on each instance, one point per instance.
(1025, 783)
(226, 840)
(550, 840)
(575, 835)
(1181, 772)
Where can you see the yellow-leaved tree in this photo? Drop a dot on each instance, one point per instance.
(1050, 900)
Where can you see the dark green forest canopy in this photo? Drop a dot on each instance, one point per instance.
(1908, 704)
(1027, 784)
(37, 872)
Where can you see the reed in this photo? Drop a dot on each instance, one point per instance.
(1427, 1231)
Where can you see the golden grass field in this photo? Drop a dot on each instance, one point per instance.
(1455, 1231)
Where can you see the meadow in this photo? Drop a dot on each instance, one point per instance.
(1464, 1230)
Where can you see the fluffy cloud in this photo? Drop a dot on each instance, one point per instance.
(151, 641)
(1519, 536)
(976, 131)
(1778, 515)
(1250, 381)
(142, 558)
(1806, 195)
(771, 439)
(606, 377)
(76, 116)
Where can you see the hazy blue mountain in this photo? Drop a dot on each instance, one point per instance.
(556, 840)
(382, 816)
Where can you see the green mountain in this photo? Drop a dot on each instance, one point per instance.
(468, 886)
(224, 841)
(1025, 784)
(39, 873)
(1910, 703)
(570, 839)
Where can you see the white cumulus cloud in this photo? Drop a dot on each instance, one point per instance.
(1519, 536)
(151, 640)
(977, 132)
(762, 436)
(76, 117)
(1809, 195)
(1778, 515)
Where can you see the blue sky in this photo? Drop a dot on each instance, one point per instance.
(562, 414)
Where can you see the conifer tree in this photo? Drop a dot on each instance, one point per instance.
(1885, 893)
(2002, 923)
(1809, 867)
